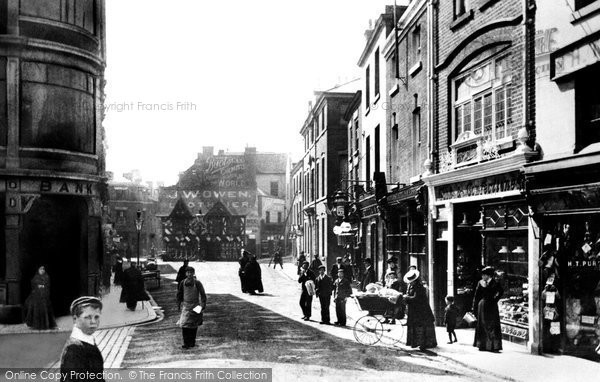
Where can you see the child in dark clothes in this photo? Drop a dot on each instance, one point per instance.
(450, 315)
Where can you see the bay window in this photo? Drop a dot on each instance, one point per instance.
(483, 101)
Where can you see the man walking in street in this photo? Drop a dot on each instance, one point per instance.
(80, 354)
(343, 290)
(276, 259)
(323, 288)
(191, 300)
(306, 277)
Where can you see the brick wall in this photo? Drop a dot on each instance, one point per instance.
(486, 31)
(405, 155)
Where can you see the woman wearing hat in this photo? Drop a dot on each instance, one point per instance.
(488, 335)
(420, 322)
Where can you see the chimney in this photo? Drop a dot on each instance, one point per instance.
(369, 31)
(221, 152)
(250, 150)
(208, 150)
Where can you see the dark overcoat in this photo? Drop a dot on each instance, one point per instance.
(133, 286)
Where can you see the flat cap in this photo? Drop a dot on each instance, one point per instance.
(321, 266)
(84, 300)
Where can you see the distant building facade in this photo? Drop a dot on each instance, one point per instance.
(323, 168)
(247, 184)
(126, 197)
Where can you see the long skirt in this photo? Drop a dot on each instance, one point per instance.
(488, 334)
(422, 336)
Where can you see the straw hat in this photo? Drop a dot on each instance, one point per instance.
(411, 276)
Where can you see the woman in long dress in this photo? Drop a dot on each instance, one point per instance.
(488, 292)
(420, 322)
(253, 276)
(38, 307)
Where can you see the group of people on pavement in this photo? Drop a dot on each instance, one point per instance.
(324, 286)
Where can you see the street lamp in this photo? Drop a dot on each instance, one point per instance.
(138, 226)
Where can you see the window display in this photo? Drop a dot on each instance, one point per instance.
(571, 262)
(507, 253)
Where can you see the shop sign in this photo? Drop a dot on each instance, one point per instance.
(514, 331)
(591, 264)
(570, 60)
(476, 187)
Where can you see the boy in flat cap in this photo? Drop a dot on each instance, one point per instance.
(323, 289)
(80, 354)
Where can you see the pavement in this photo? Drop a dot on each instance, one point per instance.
(42, 348)
(514, 363)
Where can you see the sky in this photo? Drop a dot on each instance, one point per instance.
(183, 74)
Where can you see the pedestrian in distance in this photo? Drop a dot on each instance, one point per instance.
(368, 275)
(80, 353)
(253, 276)
(118, 270)
(420, 323)
(306, 278)
(133, 287)
(301, 260)
(181, 272)
(315, 264)
(243, 261)
(488, 334)
(38, 307)
(323, 289)
(450, 316)
(340, 265)
(191, 301)
(342, 290)
(277, 259)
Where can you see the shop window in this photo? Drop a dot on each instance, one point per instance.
(483, 101)
(571, 263)
(587, 106)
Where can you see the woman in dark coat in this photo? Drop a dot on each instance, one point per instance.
(488, 335)
(133, 287)
(118, 269)
(420, 322)
(38, 308)
(253, 276)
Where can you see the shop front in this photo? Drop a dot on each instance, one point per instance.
(407, 228)
(481, 222)
(565, 199)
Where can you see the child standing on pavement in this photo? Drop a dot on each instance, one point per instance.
(450, 315)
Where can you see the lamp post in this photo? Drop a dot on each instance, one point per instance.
(138, 226)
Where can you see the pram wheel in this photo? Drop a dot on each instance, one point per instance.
(368, 330)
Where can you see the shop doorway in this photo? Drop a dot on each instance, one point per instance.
(440, 280)
(54, 234)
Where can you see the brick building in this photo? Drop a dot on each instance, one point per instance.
(481, 139)
(324, 166)
(52, 57)
(408, 55)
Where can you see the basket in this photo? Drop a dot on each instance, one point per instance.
(373, 304)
